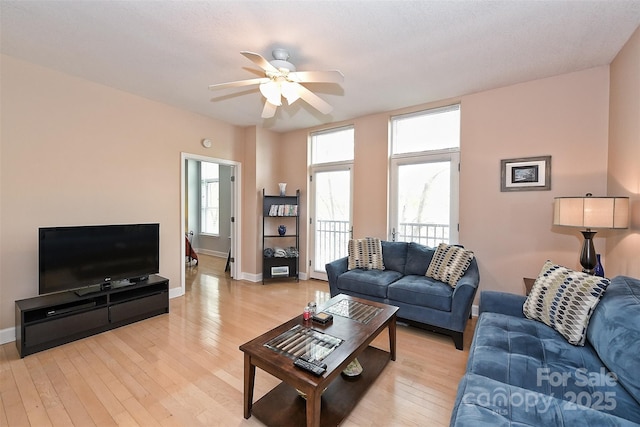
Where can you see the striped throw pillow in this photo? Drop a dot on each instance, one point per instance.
(449, 263)
(564, 300)
(365, 253)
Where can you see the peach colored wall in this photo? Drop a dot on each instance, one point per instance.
(249, 202)
(291, 160)
(623, 247)
(371, 177)
(266, 169)
(75, 153)
(511, 232)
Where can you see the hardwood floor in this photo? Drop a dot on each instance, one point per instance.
(185, 368)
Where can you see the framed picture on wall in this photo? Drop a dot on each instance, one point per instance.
(526, 174)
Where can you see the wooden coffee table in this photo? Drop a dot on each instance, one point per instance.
(359, 324)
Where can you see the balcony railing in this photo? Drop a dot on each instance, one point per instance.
(332, 238)
(426, 234)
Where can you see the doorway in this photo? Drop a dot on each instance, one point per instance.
(224, 239)
(331, 212)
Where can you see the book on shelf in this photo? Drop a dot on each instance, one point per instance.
(283, 210)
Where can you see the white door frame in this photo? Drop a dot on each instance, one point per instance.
(335, 167)
(436, 156)
(236, 198)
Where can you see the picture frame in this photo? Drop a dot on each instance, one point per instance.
(526, 174)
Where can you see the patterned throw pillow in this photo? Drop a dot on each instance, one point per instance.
(365, 253)
(564, 300)
(449, 263)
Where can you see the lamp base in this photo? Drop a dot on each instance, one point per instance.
(588, 258)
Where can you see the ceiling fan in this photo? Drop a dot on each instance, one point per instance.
(282, 80)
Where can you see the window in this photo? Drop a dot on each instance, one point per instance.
(424, 174)
(335, 145)
(210, 198)
(429, 130)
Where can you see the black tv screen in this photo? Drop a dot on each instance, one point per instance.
(76, 257)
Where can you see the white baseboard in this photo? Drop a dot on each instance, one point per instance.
(175, 292)
(250, 277)
(7, 335)
(211, 253)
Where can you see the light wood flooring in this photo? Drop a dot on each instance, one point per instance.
(185, 368)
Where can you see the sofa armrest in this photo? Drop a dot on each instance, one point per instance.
(463, 296)
(335, 269)
(501, 302)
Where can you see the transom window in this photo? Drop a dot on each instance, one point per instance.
(334, 145)
(430, 130)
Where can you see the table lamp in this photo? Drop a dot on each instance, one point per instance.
(591, 212)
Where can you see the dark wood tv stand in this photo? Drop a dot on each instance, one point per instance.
(50, 320)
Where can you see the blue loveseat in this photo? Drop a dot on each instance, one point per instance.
(423, 301)
(520, 372)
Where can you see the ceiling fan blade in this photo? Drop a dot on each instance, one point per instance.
(332, 76)
(259, 61)
(239, 83)
(269, 110)
(314, 100)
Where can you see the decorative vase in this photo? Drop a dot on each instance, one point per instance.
(599, 269)
(283, 188)
(282, 230)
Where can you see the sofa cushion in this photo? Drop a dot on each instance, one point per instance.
(484, 401)
(528, 354)
(614, 331)
(394, 255)
(365, 253)
(418, 259)
(367, 282)
(449, 263)
(564, 299)
(422, 291)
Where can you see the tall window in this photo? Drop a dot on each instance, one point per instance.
(424, 171)
(210, 198)
(332, 154)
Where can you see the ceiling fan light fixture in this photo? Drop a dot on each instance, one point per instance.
(290, 92)
(271, 91)
(281, 80)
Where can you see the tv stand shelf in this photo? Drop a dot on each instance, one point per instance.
(50, 320)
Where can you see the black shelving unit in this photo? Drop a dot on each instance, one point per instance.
(276, 211)
(50, 320)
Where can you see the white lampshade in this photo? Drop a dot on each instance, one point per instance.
(290, 91)
(591, 212)
(271, 91)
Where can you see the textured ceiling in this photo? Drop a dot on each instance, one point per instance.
(393, 54)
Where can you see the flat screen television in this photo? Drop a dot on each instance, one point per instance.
(71, 258)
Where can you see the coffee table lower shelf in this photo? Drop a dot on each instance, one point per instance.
(283, 406)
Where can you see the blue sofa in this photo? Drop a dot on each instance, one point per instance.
(423, 301)
(521, 372)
